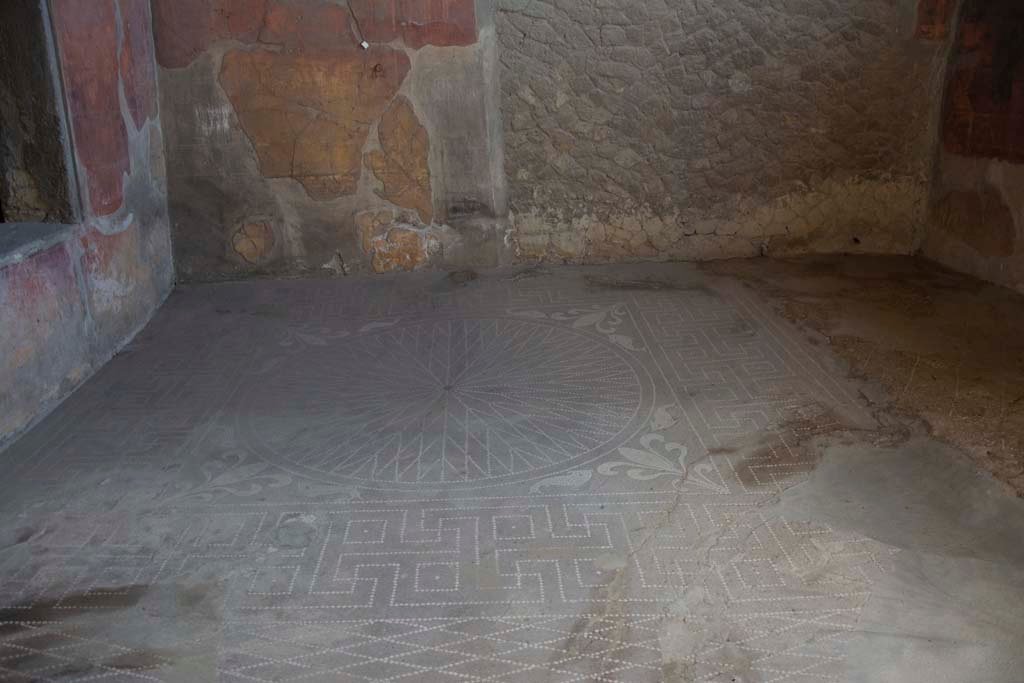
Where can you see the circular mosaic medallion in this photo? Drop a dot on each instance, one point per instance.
(468, 402)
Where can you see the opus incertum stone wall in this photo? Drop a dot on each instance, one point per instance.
(652, 129)
(33, 164)
(292, 149)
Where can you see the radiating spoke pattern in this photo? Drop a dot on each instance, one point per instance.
(452, 401)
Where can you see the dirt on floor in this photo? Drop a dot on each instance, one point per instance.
(945, 347)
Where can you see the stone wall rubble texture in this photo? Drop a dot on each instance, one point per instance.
(33, 162)
(977, 218)
(692, 129)
(275, 116)
(67, 307)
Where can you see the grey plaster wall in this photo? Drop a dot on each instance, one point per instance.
(653, 129)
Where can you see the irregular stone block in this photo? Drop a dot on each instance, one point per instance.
(370, 224)
(402, 163)
(253, 242)
(309, 116)
(402, 248)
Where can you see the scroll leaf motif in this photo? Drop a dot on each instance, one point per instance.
(659, 458)
(604, 319)
(296, 339)
(664, 418)
(373, 327)
(596, 319)
(652, 465)
(229, 474)
(306, 337)
(625, 342)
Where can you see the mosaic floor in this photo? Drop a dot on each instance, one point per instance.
(534, 476)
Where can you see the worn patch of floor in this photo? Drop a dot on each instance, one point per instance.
(941, 345)
(635, 473)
